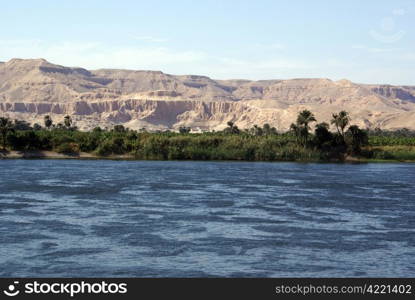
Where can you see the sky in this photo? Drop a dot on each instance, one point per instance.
(363, 41)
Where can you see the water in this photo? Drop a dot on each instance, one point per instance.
(194, 219)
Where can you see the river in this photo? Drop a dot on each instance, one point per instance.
(86, 218)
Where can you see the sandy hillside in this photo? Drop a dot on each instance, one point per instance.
(30, 89)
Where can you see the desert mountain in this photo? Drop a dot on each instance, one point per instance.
(32, 88)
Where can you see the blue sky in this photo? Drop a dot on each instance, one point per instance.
(364, 41)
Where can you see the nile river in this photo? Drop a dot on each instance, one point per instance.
(81, 218)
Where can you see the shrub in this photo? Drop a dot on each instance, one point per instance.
(24, 140)
(114, 145)
(68, 148)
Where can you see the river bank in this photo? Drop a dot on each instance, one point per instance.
(92, 156)
(56, 155)
(264, 143)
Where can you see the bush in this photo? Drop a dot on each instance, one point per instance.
(68, 148)
(58, 139)
(383, 155)
(24, 140)
(104, 149)
(114, 145)
(394, 153)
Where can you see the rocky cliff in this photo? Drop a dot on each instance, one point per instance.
(30, 89)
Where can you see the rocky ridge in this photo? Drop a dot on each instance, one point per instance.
(30, 89)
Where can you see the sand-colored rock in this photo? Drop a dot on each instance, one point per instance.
(30, 89)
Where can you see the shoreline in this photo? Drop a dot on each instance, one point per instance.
(56, 155)
(127, 157)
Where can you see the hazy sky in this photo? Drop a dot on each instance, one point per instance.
(364, 41)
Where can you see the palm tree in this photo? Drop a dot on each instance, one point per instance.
(341, 120)
(67, 121)
(266, 129)
(232, 128)
(296, 130)
(358, 138)
(230, 124)
(257, 131)
(5, 127)
(48, 121)
(304, 118)
(322, 126)
(184, 129)
(322, 134)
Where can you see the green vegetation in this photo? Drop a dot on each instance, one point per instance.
(6, 126)
(253, 144)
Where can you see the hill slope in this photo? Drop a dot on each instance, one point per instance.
(29, 89)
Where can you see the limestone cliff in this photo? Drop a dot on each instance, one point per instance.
(30, 89)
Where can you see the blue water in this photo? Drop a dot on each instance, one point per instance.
(185, 219)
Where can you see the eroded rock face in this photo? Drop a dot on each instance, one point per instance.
(30, 89)
(395, 92)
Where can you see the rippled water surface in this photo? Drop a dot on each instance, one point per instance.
(186, 219)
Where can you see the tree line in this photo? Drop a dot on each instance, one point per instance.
(232, 143)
